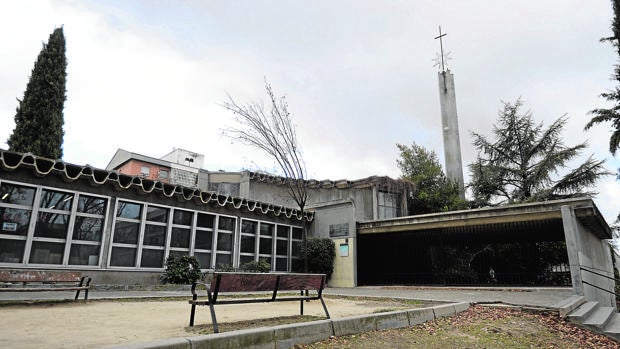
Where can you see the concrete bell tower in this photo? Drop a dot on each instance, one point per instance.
(449, 122)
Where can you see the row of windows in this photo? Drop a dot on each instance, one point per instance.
(47, 226)
(163, 174)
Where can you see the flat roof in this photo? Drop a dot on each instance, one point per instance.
(511, 218)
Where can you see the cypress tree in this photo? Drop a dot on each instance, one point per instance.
(39, 117)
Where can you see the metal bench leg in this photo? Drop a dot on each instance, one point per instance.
(213, 319)
(301, 305)
(324, 307)
(191, 316)
(77, 295)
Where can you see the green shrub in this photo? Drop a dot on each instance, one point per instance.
(262, 266)
(181, 270)
(321, 253)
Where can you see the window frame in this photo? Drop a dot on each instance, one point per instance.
(68, 242)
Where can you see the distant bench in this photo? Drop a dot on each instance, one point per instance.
(259, 282)
(40, 281)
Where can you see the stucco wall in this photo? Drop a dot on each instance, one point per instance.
(339, 213)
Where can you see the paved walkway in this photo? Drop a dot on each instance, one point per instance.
(537, 297)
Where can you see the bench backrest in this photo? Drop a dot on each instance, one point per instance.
(38, 276)
(296, 282)
(249, 282)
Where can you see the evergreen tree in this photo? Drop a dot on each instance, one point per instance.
(434, 192)
(611, 114)
(519, 165)
(39, 118)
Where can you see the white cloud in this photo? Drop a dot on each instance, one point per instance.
(148, 76)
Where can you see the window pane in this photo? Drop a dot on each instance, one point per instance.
(145, 170)
(164, 174)
(204, 240)
(56, 200)
(266, 259)
(224, 242)
(178, 254)
(248, 227)
(129, 210)
(15, 194)
(52, 225)
(281, 264)
(14, 221)
(182, 217)
(205, 220)
(265, 246)
(154, 235)
(266, 229)
(296, 249)
(12, 251)
(92, 205)
(86, 228)
(226, 223)
(152, 258)
(157, 214)
(283, 231)
(223, 260)
(297, 265)
(247, 244)
(297, 233)
(245, 259)
(282, 247)
(126, 232)
(123, 257)
(84, 255)
(180, 237)
(204, 259)
(46, 253)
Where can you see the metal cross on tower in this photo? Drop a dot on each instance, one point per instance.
(443, 67)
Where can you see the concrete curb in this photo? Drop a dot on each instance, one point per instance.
(286, 336)
(571, 303)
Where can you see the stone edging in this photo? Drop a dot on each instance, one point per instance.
(286, 336)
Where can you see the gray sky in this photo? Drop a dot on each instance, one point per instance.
(147, 76)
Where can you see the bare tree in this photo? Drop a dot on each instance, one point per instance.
(271, 130)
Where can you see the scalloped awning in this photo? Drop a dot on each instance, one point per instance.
(43, 167)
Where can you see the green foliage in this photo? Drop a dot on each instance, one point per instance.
(612, 114)
(262, 266)
(39, 117)
(182, 270)
(320, 253)
(518, 165)
(433, 191)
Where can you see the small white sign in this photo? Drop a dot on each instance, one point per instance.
(9, 226)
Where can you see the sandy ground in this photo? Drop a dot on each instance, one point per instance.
(100, 324)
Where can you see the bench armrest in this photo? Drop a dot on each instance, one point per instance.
(195, 285)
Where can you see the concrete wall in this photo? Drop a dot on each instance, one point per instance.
(279, 195)
(338, 213)
(587, 250)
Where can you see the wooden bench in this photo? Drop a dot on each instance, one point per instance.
(40, 281)
(257, 282)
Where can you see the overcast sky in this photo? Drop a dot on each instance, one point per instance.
(147, 76)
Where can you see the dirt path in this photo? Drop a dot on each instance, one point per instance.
(98, 324)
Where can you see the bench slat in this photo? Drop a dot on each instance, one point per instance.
(42, 289)
(38, 276)
(240, 282)
(296, 282)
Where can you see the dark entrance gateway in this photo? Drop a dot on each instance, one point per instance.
(533, 244)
